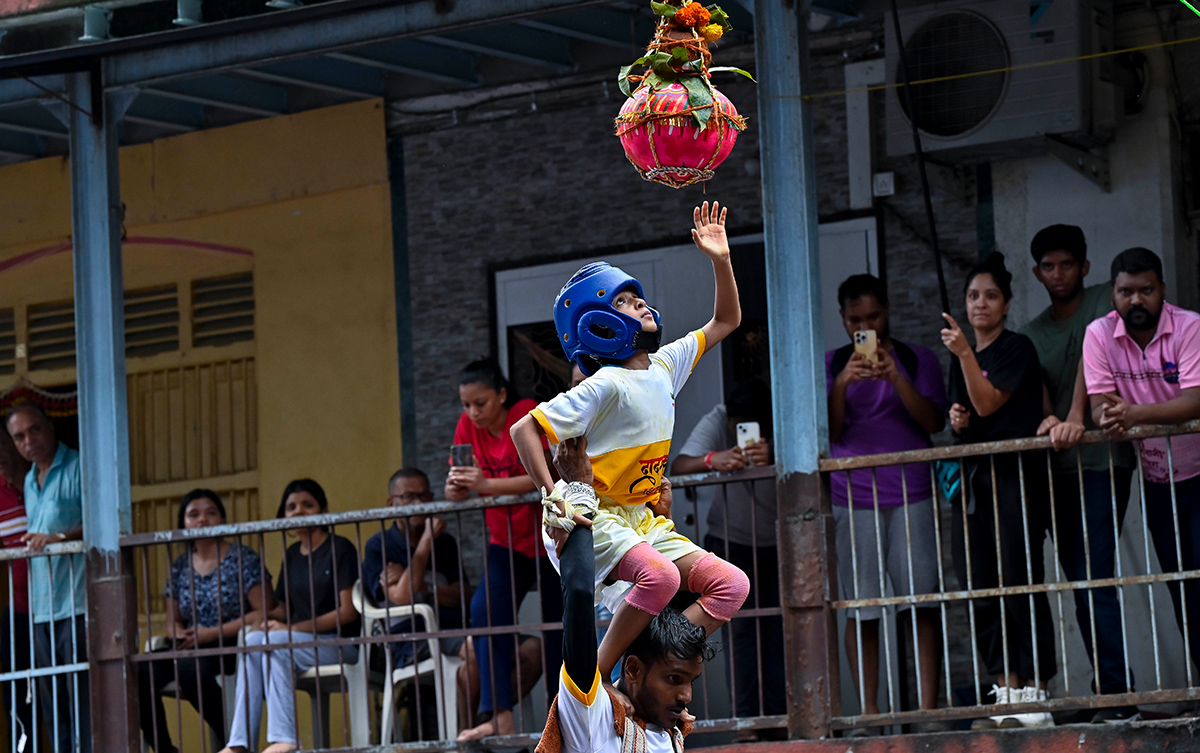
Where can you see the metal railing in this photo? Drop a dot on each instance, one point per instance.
(1004, 605)
(425, 697)
(419, 703)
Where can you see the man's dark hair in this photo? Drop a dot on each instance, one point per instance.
(196, 494)
(856, 286)
(671, 633)
(23, 407)
(487, 372)
(1134, 261)
(1067, 238)
(750, 399)
(407, 472)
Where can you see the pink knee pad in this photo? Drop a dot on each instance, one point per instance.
(655, 578)
(723, 588)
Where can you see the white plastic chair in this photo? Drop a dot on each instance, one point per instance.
(228, 683)
(350, 678)
(440, 668)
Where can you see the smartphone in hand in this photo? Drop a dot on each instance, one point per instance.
(462, 455)
(748, 433)
(866, 342)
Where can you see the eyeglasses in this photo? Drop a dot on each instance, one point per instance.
(409, 497)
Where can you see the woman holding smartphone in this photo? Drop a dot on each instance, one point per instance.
(516, 560)
(996, 394)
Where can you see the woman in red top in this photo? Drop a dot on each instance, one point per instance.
(490, 408)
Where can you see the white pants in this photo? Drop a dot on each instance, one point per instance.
(270, 676)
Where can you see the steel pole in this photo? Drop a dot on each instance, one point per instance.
(103, 414)
(790, 235)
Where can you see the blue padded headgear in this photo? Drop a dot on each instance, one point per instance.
(590, 330)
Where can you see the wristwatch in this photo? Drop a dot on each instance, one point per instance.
(61, 536)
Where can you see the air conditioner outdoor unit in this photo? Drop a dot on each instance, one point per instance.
(1021, 94)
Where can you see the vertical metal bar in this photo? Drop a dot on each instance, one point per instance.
(1087, 561)
(1147, 545)
(941, 570)
(1058, 576)
(103, 412)
(1001, 600)
(858, 639)
(963, 481)
(880, 558)
(1180, 565)
(912, 585)
(1112, 485)
(1025, 537)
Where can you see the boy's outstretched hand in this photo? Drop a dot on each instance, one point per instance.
(709, 233)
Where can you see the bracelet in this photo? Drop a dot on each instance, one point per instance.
(708, 460)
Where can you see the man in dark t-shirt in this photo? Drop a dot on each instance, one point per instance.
(1060, 257)
(415, 562)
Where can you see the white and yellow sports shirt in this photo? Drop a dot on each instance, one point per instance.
(585, 720)
(627, 416)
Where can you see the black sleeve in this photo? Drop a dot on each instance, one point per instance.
(578, 571)
(445, 548)
(1014, 360)
(280, 587)
(346, 565)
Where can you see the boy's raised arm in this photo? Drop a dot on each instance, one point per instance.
(709, 236)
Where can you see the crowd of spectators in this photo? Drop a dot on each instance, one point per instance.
(1111, 356)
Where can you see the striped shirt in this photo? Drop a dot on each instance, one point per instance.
(13, 525)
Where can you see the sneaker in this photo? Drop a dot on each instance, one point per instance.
(1032, 718)
(1001, 694)
(1117, 715)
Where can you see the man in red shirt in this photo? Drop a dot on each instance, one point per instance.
(15, 644)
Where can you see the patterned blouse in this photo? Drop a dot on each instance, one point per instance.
(223, 585)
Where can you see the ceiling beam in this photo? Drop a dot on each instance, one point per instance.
(330, 76)
(517, 43)
(416, 58)
(282, 40)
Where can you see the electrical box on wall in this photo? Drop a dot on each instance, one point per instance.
(1020, 92)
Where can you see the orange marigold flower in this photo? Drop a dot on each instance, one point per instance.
(712, 32)
(692, 14)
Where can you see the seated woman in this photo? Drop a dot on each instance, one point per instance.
(215, 588)
(305, 611)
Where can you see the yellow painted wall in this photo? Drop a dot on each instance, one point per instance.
(308, 195)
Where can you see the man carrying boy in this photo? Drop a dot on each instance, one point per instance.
(657, 670)
(1060, 264)
(1142, 366)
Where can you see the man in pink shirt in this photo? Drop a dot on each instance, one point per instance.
(1142, 366)
(15, 637)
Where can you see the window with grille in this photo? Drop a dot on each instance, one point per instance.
(51, 335)
(151, 321)
(8, 342)
(223, 310)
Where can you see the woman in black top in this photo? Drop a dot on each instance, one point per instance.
(313, 601)
(995, 394)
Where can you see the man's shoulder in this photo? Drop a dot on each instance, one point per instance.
(1105, 325)
(1183, 318)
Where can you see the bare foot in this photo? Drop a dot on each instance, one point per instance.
(280, 748)
(500, 724)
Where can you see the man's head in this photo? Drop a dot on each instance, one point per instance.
(749, 400)
(410, 486)
(1060, 260)
(1138, 290)
(660, 666)
(13, 467)
(32, 433)
(863, 302)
